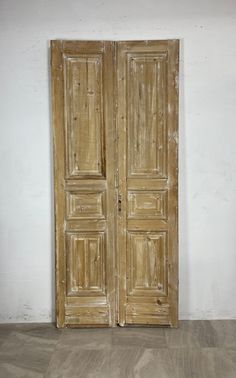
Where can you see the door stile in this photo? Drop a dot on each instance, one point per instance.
(57, 85)
(121, 146)
(173, 141)
(109, 77)
(116, 182)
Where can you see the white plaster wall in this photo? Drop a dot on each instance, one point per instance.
(207, 30)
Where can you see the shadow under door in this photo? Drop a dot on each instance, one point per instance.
(115, 125)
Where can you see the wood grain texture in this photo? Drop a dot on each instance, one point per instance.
(85, 264)
(84, 115)
(115, 122)
(85, 205)
(59, 174)
(84, 156)
(146, 92)
(145, 204)
(146, 260)
(147, 122)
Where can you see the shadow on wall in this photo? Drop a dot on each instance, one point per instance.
(53, 290)
(184, 288)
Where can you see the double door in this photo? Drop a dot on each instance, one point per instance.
(115, 125)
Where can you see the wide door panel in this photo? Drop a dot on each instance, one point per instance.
(82, 86)
(147, 151)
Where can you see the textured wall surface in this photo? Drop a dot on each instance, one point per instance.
(207, 143)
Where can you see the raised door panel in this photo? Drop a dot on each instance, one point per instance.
(84, 115)
(146, 100)
(85, 264)
(82, 86)
(85, 205)
(147, 80)
(146, 263)
(144, 204)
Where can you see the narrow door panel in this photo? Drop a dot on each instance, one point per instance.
(146, 108)
(147, 150)
(84, 114)
(82, 86)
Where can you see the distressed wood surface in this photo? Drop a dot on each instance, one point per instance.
(115, 122)
(84, 155)
(147, 122)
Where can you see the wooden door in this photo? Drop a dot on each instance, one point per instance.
(115, 187)
(147, 119)
(84, 161)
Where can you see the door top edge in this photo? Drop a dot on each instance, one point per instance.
(116, 40)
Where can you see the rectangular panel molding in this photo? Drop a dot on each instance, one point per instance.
(147, 264)
(147, 204)
(85, 264)
(82, 204)
(84, 115)
(115, 128)
(146, 104)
